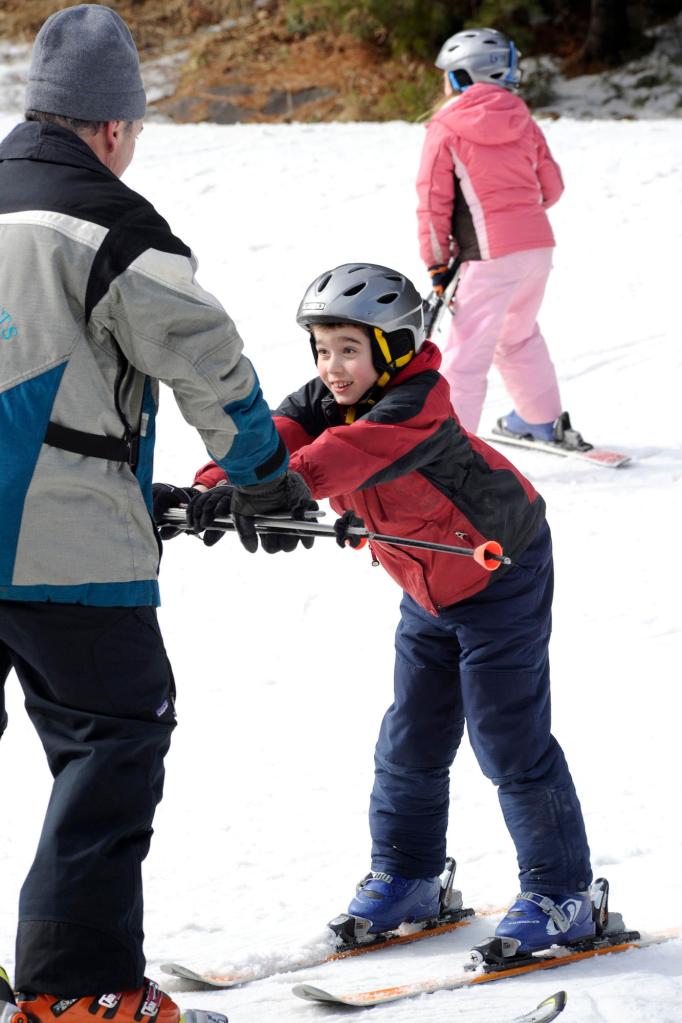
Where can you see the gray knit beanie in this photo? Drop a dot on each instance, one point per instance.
(85, 65)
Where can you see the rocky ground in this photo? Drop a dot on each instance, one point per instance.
(235, 61)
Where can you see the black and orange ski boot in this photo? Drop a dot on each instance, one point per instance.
(147, 1004)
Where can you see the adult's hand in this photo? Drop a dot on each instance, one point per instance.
(287, 494)
(164, 497)
(205, 508)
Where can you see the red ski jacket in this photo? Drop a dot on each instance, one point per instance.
(408, 468)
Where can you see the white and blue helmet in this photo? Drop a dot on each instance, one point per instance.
(480, 55)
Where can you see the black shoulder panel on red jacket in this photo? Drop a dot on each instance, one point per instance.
(305, 406)
(405, 400)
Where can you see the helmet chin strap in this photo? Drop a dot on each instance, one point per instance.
(455, 84)
(388, 365)
(391, 367)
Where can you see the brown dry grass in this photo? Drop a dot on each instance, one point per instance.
(243, 62)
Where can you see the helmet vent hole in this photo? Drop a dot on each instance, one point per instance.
(387, 299)
(355, 290)
(324, 282)
(393, 277)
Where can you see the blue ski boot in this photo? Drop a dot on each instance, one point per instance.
(538, 921)
(389, 901)
(518, 427)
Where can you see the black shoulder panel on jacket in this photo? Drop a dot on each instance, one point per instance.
(46, 167)
(305, 407)
(405, 400)
(141, 228)
(495, 503)
(443, 458)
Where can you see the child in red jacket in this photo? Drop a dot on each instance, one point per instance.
(376, 435)
(485, 182)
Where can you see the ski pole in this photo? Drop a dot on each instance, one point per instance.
(435, 303)
(489, 554)
(432, 307)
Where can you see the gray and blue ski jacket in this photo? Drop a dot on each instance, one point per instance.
(98, 302)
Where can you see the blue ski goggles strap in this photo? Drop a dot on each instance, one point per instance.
(514, 73)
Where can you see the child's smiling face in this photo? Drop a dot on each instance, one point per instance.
(344, 361)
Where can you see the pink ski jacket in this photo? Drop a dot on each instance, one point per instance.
(486, 178)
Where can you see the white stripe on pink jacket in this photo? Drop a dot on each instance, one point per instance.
(486, 178)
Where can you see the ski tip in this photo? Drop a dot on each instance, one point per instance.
(202, 1016)
(309, 993)
(556, 1002)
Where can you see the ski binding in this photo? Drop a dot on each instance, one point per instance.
(502, 953)
(353, 932)
(568, 443)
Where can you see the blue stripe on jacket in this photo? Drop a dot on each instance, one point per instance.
(255, 443)
(144, 592)
(24, 414)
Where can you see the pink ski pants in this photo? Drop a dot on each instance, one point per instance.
(496, 305)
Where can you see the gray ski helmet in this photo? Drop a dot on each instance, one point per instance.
(480, 55)
(375, 296)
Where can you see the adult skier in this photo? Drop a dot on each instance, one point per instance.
(98, 302)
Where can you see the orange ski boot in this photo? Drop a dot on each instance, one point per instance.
(147, 1004)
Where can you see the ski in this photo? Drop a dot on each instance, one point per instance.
(348, 936)
(546, 1011)
(202, 1016)
(567, 443)
(549, 959)
(236, 977)
(603, 457)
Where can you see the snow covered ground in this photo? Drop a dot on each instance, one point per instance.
(643, 88)
(284, 665)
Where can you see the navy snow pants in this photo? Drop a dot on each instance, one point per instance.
(483, 661)
(99, 690)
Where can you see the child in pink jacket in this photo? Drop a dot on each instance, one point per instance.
(485, 181)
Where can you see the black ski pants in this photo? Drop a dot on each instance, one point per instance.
(99, 690)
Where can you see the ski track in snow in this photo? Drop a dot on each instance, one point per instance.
(284, 665)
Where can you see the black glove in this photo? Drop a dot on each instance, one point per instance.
(205, 508)
(164, 497)
(288, 493)
(341, 527)
(441, 275)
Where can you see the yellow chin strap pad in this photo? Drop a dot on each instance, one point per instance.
(385, 350)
